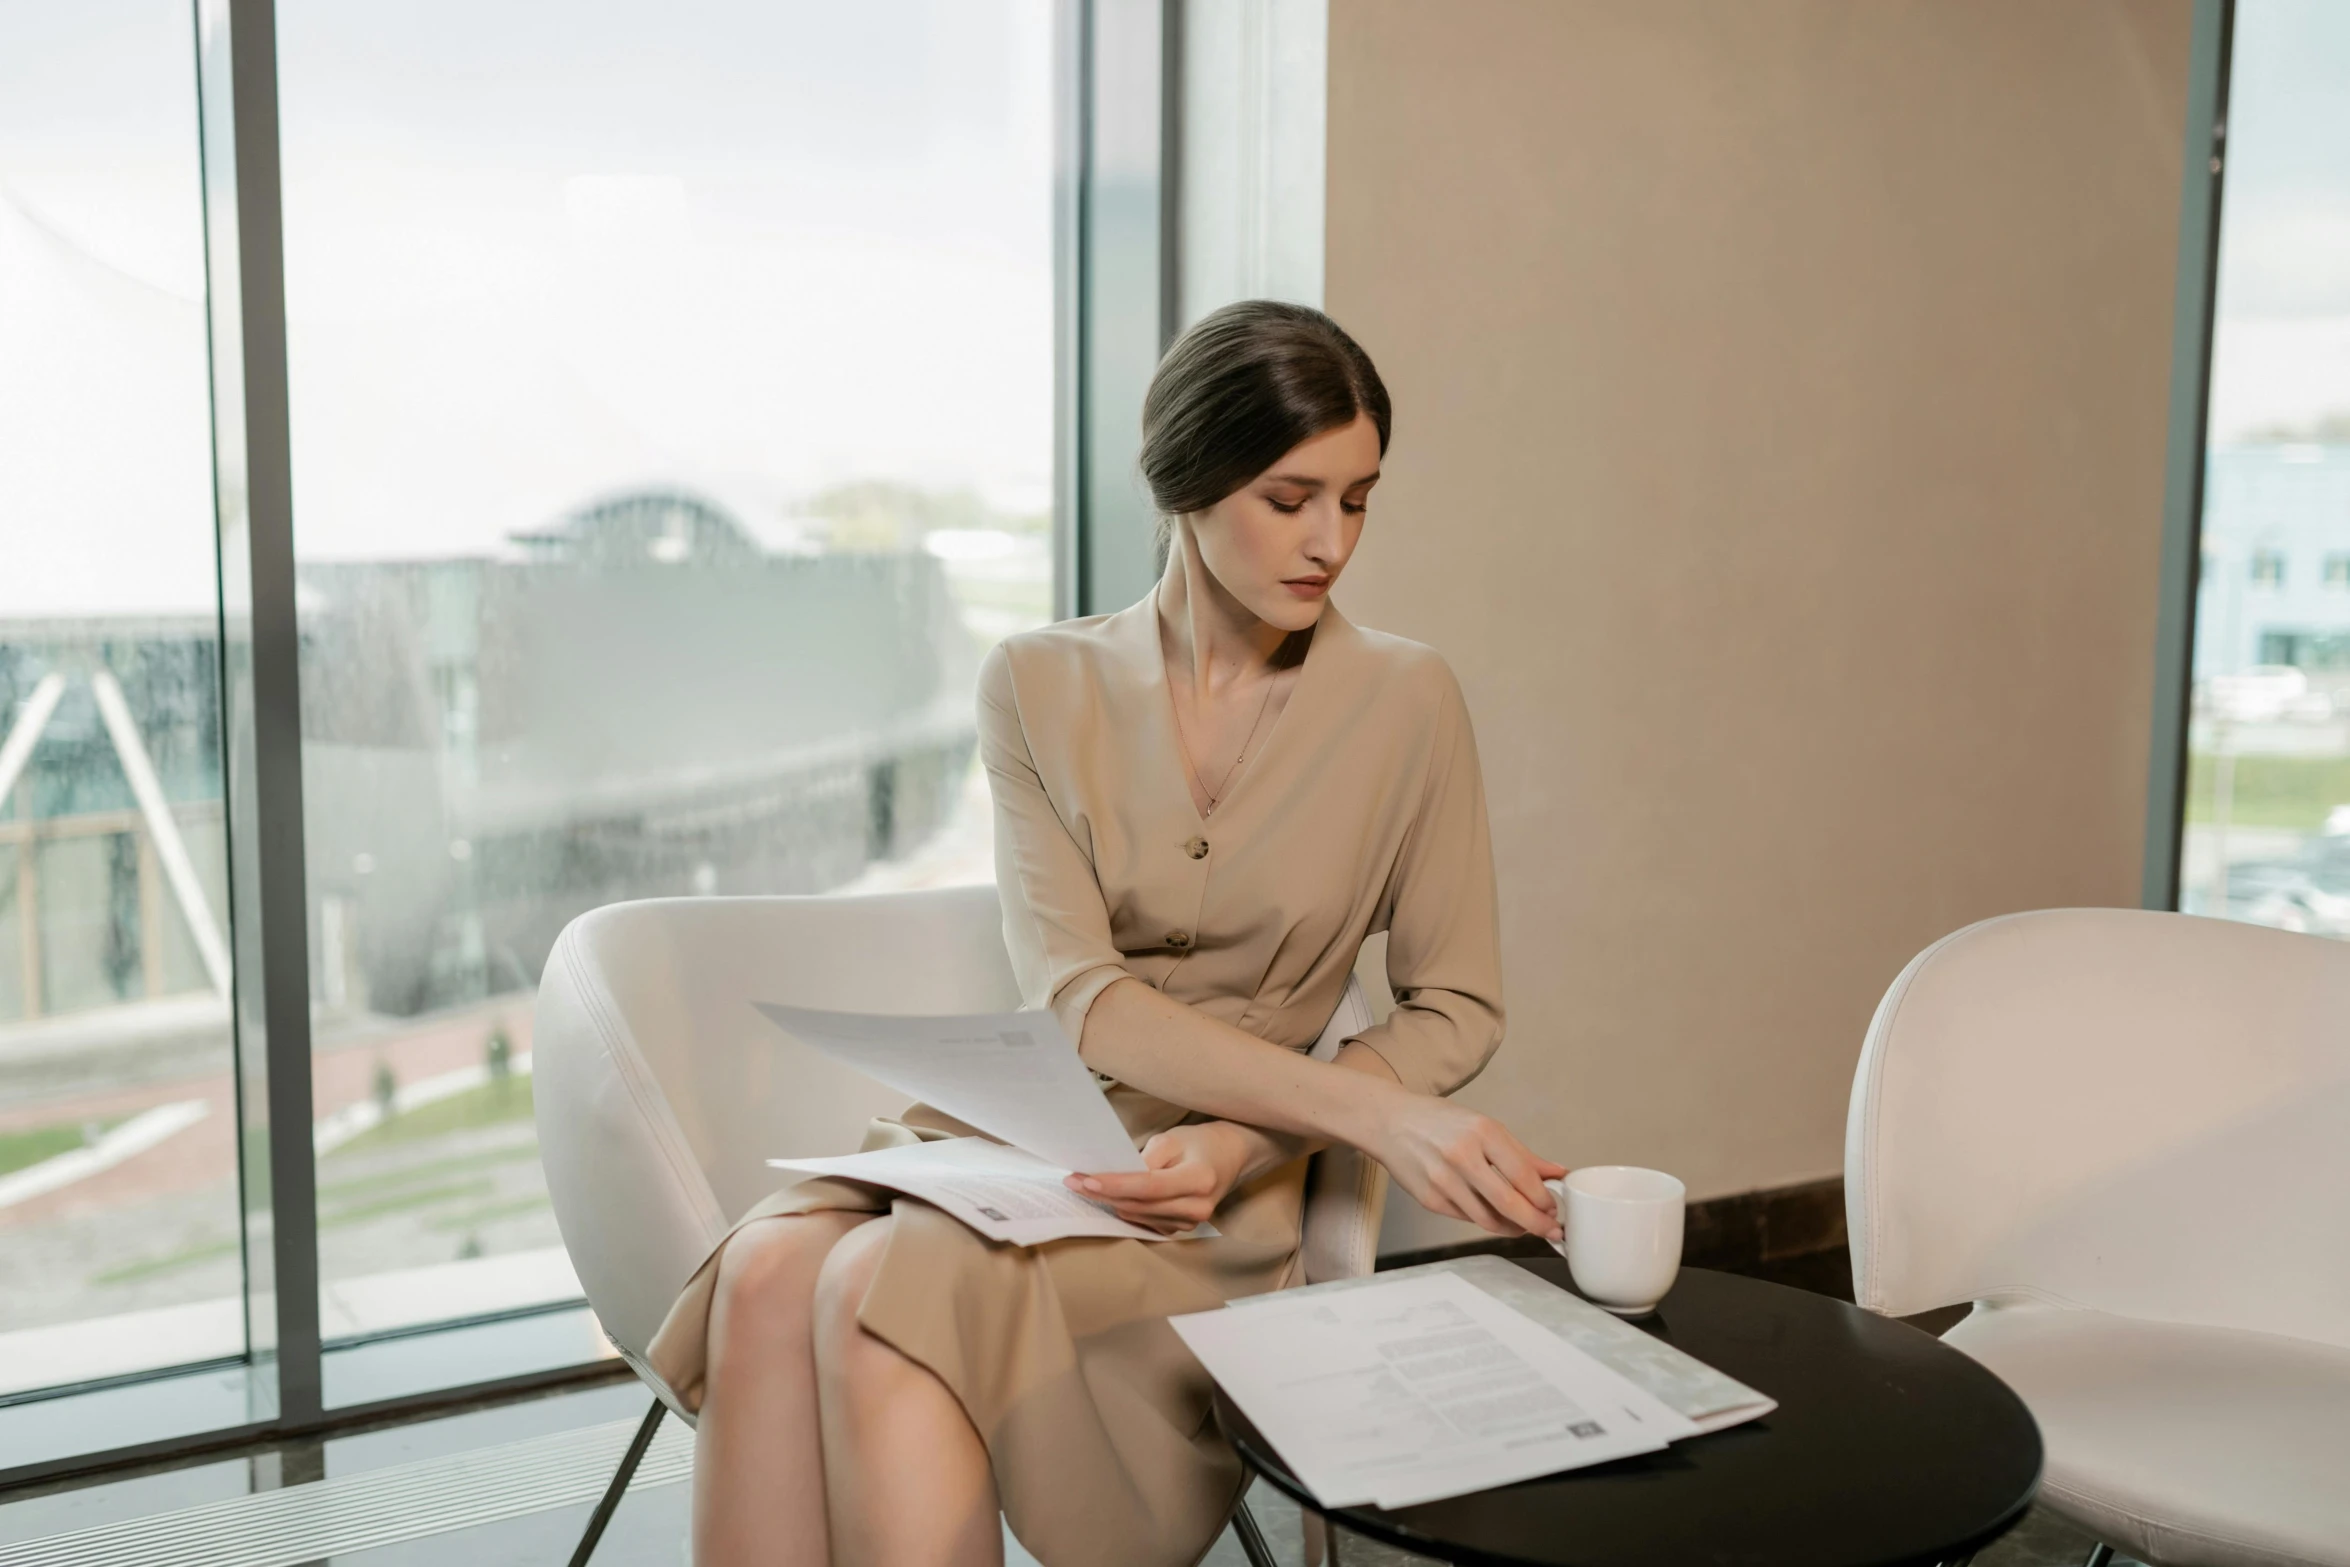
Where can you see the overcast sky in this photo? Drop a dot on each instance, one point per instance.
(534, 252)
(2282, 350)
(537, 251)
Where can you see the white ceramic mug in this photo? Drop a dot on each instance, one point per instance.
(1623, 1225)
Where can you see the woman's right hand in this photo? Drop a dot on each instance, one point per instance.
(1464, 1165)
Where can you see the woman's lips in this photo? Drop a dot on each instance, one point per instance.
(1307, 587)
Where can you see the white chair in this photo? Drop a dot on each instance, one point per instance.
(661, 1093)
(2125, 1137)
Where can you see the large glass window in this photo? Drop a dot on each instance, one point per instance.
(120, 1244)
(2267, 831)
(672, 403)
(681, 402)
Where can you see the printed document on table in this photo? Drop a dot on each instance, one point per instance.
(1003, 1193)
(1410, 1392)
(1013, 1075)
(1712, 1401)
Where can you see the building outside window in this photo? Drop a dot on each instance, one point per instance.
(659, 480)
(677, 407)
(2266, 835)
(673, 432)
(120, 1233)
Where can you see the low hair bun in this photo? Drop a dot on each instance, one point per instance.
(1244, 385)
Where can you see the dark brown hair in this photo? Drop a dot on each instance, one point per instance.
(1246, 384)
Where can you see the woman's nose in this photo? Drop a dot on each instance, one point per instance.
(1326, 543)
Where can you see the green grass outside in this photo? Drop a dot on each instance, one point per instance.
(148, 1267)
(38, 1144)
(2272, 791)
(439, 1169)
(495, 1103)
(21, 1150)
(490, 1213)
(360, 1198)
(421, 1197)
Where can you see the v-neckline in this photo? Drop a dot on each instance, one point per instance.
(1174, 725)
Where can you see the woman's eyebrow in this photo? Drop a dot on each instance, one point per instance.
(1306, 481)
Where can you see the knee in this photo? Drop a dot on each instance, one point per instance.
(767, 1273)
(847, 1273)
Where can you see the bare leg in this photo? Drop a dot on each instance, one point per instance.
(758, 1460)
(907, 1476)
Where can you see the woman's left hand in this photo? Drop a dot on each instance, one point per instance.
(1188, 1171)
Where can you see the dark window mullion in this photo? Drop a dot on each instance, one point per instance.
(276, 833)
(2190, 399)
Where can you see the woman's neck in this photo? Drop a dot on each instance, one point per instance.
(1212, 634)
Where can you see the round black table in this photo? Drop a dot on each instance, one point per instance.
(1888, 1449)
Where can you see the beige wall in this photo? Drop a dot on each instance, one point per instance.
(1780, 399)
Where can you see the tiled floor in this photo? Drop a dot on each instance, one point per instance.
(650, 1528)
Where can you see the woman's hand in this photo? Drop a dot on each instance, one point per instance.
(1467, 1166)
(1189, 1169)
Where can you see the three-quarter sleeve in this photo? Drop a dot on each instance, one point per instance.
(1444, 926)
(1056, 924)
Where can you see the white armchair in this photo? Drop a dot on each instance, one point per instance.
(2125, 1137)
(662, 1094)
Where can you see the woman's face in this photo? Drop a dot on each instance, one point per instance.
(1278, 543)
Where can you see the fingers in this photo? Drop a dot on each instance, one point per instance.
(1459, 1199)
(1184, 1200)
(1490, 1179)
(1146, 1186)
(1167, 1218)
(1507, 1177)
(1524, 1173)
(1178, 1190)
(1512, 1204)
(1171, 1219)
(1168, 1171)
(1171, 1215)
(1469, 1166)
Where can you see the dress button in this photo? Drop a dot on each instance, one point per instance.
(1197, 848)
(1179, 940)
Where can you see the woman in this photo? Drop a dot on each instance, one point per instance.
(1203, 805)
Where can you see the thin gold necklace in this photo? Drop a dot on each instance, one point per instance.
(1216, 795)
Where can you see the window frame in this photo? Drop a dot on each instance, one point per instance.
(1114, 293)
(2195, 300)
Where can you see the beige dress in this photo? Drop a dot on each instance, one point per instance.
(1363, 811)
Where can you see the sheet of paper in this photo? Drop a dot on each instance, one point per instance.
(1711, 1400)
(1013, 1075)
(1413, 1390)
(1001, 1192)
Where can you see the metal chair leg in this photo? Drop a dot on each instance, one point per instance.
(2099, 1555)
(1252, 1538)
(619, 1486)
